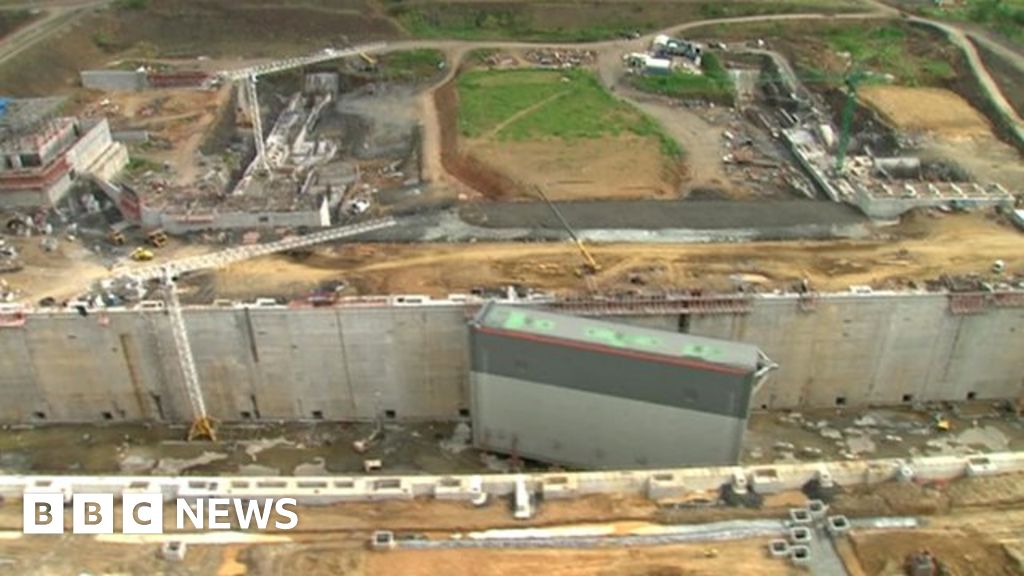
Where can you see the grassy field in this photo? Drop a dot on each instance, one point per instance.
(550, 20)
(1003, 16)
(411, 65)
(521, 105)
(824, 52)
(11, 20)
(714, 85)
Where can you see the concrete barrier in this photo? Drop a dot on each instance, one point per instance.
(654, 484)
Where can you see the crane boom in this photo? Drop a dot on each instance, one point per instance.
(202, 424)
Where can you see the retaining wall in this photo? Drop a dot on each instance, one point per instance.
(411, 361)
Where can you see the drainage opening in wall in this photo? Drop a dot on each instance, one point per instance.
(840, 400)
(907, 398)
(464, 412)
(318, 414)
(108, 416)
(39, 415)
(972, 395)
(390, 414)
(246, 415)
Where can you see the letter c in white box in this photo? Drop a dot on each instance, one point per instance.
(142, 513)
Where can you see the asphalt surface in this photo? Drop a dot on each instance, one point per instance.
(640, 214)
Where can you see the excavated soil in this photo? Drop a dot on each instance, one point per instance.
(933, 110)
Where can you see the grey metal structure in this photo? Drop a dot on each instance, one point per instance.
(596, 394)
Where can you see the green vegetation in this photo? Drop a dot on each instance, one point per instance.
(714, 84)
(520, 105)
(884, 49)
(1003, 16)
(552, 20)
(411, 64)
(131, 4)
(11, 20)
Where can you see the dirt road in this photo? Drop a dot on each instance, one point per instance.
(925, 249)
(57, 17)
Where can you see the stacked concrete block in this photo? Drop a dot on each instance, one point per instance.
(837, 525)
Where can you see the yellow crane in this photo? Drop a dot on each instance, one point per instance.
(590, 265)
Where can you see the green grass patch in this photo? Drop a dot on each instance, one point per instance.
(714, 84)
(1003, 16)
(523, 105)
(411, 64)
(11, 20)
(884, 49)
(559, 21)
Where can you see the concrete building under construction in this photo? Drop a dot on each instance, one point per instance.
(43, 153)
(596, 394)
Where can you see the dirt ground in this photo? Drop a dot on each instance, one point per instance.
(978, 536)
(933, 110)
(925, 247)
(742, 557)
(962, 553)
(621, 167)
(180, 119)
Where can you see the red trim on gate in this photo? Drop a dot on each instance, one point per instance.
(616, 351)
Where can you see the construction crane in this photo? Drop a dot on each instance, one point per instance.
(260, 162)
(203, 426)
(852, 81)
(590, 265)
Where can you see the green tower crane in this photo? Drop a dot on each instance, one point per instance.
(852, 81)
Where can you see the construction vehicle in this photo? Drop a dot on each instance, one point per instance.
(157, 238)
(371, 62)
(117, 233)
(590, 265)
(923, 564)
(142, 254)
(203, 426)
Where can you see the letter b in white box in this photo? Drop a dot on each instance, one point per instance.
(92, 513)
(142, 513)
(43, 513)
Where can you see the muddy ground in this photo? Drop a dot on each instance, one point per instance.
(325, 448)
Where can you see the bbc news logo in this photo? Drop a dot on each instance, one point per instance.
(143, 513)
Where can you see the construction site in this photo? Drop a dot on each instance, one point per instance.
(487, 294)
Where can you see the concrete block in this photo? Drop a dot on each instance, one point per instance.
(837, 525)
(905, 474)
(778, 548)
(557, 487)
(817, 508)
(664, 485)
(800, 535)
(980, 466)
(382, 540)
(825, 479)
(173, 551)
(767, 481)
(800, 555)
(800, 516)
(739, 482)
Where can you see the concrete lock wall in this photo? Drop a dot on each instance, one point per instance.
(412, 362)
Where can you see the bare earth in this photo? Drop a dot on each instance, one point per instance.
(925, 248)
(628, 167)
(927, 110)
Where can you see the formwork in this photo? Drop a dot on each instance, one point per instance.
(598, 394)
